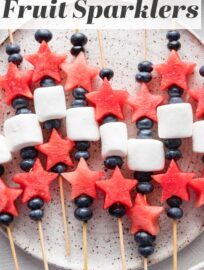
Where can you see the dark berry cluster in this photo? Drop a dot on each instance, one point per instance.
(117, 210)
(106, 73)
(83, 211)
(13, 50)
(35, 205)
(144, 75)
(146, 243)
(28, 155)
(175, 94)
(173, 36)
(144, 185)
(174, 212)
(78, 41)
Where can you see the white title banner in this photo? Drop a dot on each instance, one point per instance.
(112, 14)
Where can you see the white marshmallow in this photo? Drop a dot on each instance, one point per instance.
(22, 130)
(145, 155)
(114, 139)
(175, 121)
(198, 137)
(5, 154)
(50, 103)
(81, 124)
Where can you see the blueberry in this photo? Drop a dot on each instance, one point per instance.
(144, 238)
(172, 143)
(113, 162)
(79, 103)
(143, 77)
(75, 50)
(20, 102)
(173, 154)
(79, 93)
(43, 35)
(15, 58)
(175, 213)
(50, 124)
(174, 201)
(175, 91)
(23, 111)
(143, 176)
(145, 187)
(1, 170)
(117, 210)
(106, 73)
(6, 219)
(36, 214)
(146, 66)
(81, 154)
(79, 39)
(35, 203)
(174, 45)
(27, 164)
(47, 82)
(109, 118)
(173, 35)
(144, 123)
(83, 201)
(175, 100)
(29, 153)
(82, 145)
(144, 134)
(201, 71)
(12, 49)
(83, 214)
(60, 168)
(146, 251)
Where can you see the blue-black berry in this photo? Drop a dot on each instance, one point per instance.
(12, 49)
(23, 111)
(146, 251)
(144, 238)
(19, 103)
(82, 145)
(47, 82)
(145, 187)
(174, 45)
(6, 219)
(36, 214)
(172, 143)
(83, 214)
(143, 176)
(79, 103)
(201, 71)
(144, 134)
(117, 210)
(27, 164)
(174, 201)
(173, 35)
(173, 154)
(79, 39)
(83, 201)
(143, 77)
(50, 124)
(28, 153)
(106, 73)
(146, 66)
(43, 35)
(15, 58)
(144, 123)
(81, 154)
(35, 203)
(113, 162)
(60, 168)
(175, 91)
(175, 213)
(109, 118)
(79, 93)
(75, 50)
(2, 170)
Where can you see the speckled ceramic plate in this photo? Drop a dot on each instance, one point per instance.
(123, 51)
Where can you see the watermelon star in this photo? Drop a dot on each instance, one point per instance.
(16, 83)
(174, 72)
(46, 63)
(108, 101)
(198, 95)
(117, 189)
(83, 180)
(144, 217)
(79, 73)
(57, 150)
(198, 186)
(144, 104)
(7, 198)
(35, 183)
(174, 182)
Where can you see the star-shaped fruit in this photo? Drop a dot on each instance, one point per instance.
(108, 101)
(35, 183)
(174, 72)
(144, 217)
(174, 182)
(57, 150)
(83, 180)
(46, 63)
(144, 104)
(117, 189)
(16, 83)
(79, 73)
(198, 186)
(7, 198)
(198, 95)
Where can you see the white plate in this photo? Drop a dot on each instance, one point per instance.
(123, 51)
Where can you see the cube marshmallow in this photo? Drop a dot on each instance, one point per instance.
(22, 130)
(81, 124)
(50, 103)
(145, 155)
(198, 137)
(5, 154)
(175, 121)
(114, 139)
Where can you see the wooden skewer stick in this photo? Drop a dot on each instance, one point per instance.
(64, 215)
(145, 264)
(175, 263)
(102, 54)
(145, 44)
(13, 250)
(42, 243)
(122, 247)
(85, 251)
(10, 36)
